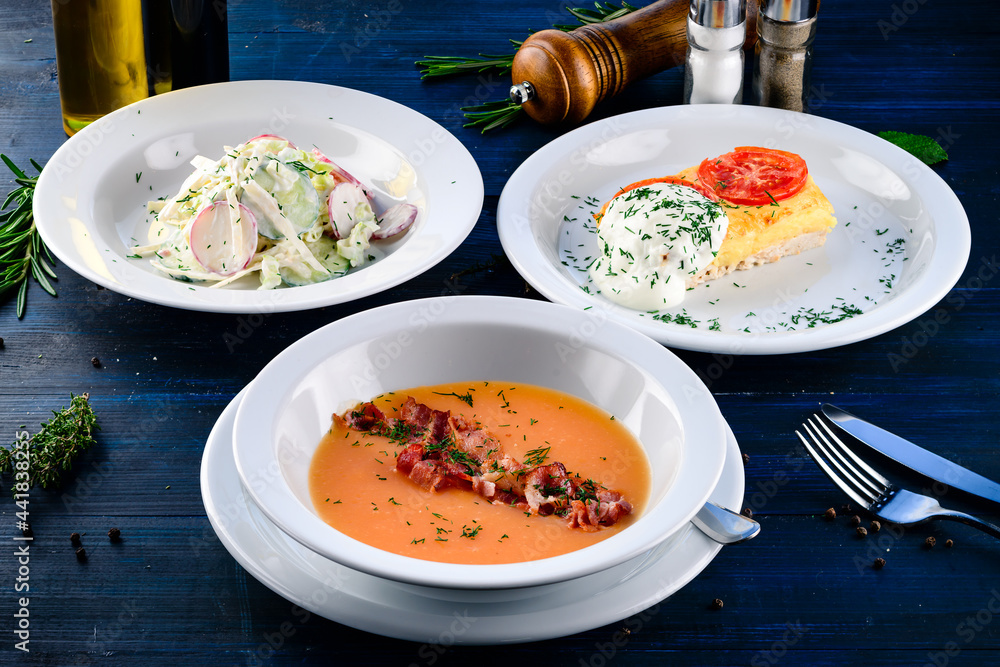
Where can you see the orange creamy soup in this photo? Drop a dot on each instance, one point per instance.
(356, 488)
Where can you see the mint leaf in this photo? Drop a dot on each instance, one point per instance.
(923, 148)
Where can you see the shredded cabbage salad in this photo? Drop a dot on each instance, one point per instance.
(293, 216)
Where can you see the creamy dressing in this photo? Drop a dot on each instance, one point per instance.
(653, 240)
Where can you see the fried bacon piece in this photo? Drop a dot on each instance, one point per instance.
(443, 450)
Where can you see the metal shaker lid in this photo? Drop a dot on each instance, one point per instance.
(718, 13)
(789, 10)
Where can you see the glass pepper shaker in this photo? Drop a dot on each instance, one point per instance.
(783, 55)
(713, 72)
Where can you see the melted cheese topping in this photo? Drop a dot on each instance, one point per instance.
(653, 240)
(755, 229)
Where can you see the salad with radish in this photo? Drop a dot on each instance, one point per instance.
(268, 207)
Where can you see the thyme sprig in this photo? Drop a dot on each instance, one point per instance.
(501, 113)
(22, 251)
(51, 451)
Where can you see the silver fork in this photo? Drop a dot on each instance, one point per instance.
(870, 489)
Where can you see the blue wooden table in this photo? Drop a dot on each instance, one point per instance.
(803, 592)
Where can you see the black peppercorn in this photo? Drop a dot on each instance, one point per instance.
(81, 554)
(115, 535)
(747, 512)
(876, 526)
(74, 538)
(95, 362)
(949, 543)
(1, 343)
(861, 531)
(830, 514)
(855, 520)
(930, 541)
(879, 563)
(717, 604)
(746, 457)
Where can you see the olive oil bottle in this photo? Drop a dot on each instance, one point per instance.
(100, 55)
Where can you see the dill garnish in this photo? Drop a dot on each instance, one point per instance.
(536, 457)
(465, 398)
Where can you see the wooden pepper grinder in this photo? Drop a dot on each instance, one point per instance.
(561, 76)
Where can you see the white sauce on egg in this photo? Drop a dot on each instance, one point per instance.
(653, 240)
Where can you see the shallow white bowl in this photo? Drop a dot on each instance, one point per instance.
(90, 201)
(288, 408)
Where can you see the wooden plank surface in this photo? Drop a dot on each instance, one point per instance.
(803, 592)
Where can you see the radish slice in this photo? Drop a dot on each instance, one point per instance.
(271, 137)
(223, 241)
(396, 219)
(338, 171)
(348, 205)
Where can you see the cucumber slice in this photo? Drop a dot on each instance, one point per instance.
(324, 250)
(294, 197)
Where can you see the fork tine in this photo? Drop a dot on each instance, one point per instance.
(839, 460)
(847, 450)
(844, 486)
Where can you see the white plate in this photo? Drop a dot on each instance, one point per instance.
(90, 202)
(880, 194)
(443, 616)
(645, 387)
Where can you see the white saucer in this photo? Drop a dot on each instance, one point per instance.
(446, 616)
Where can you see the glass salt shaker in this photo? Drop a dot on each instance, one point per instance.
(713, 73)
(783, 55)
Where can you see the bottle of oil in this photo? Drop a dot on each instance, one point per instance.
(187, 43)
(100, 58)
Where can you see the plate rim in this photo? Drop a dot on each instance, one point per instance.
(51, 218)
(944, 269)
(696, 547)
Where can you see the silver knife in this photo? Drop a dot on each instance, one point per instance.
(724, 525)
(914, 457)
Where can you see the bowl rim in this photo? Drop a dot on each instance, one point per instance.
(698, 472)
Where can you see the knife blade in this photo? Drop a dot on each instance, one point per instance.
(914, 457)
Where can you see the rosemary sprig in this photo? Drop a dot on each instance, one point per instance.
(492, 115)
(51, 451)
(501, 113)
(22, 251)
(603, 12)
(437, 66)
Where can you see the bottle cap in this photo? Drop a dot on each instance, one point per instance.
(789, 11)
(718, 13)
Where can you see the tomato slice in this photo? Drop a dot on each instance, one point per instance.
(653, 181)
(752, 175)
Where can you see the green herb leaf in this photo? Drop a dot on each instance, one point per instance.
(922, 147)
(465, 398)
(51, 451)
(23, 254)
